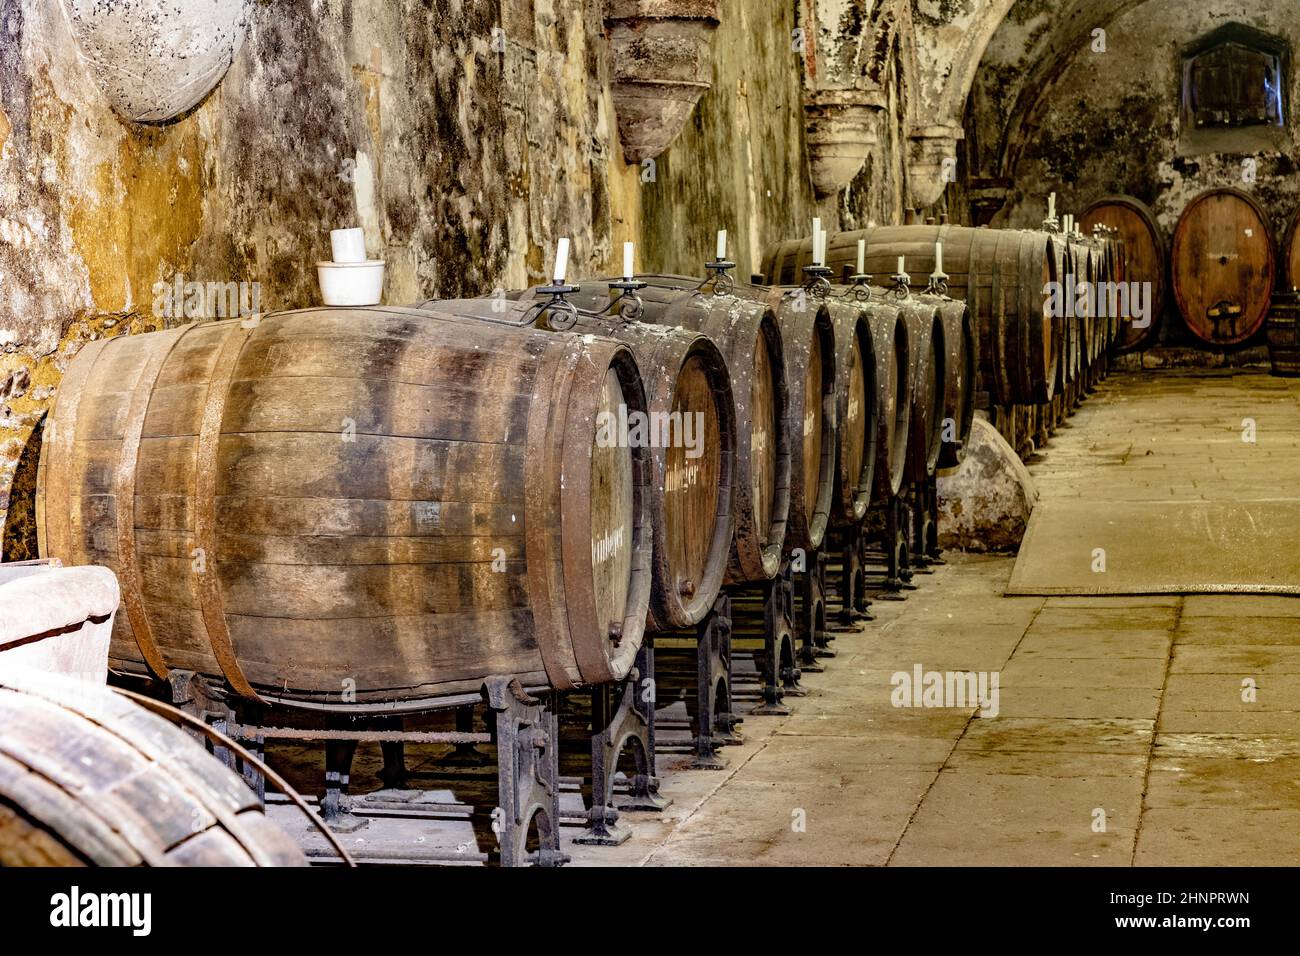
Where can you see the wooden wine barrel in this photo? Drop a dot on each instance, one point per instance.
(1073, 332)
(686, 383)
(1289, 278)
(808, 338)
(1284, 335)
(357, 509)
(1138, 256)
(1018, 348)
(856, 411)
(958, 379)
(1223, 264)
(890, 345)
(747, 334)
(88, 778)
(927, 354)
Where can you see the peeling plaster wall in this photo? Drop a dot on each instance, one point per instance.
(462, 162)
(1110, 122)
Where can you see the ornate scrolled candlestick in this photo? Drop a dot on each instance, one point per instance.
(938, 284)
(902, 285)
(630, 306)
(719, 279)
(818, 281)
(561, 314)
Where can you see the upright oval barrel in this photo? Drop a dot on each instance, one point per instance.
(88, 778)
(357, 509)
(751, 341)
(1290, 274)
(691, 433)
(1143, 260)
(1223, 264)
(889, 342)
(1001, 273)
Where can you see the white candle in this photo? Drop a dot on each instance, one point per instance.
(817, 241)
(938, 257)
(900, 265)
(1069, 223)
(822, 260)
(627, 260)
(862, 256)
(561, 260)
(1051, 206)
(722, 245)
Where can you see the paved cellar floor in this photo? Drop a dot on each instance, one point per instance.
(1126, 731)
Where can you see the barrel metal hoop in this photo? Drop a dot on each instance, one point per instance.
(54, 475)
(208, 582)
(124, 489)
(539, 517)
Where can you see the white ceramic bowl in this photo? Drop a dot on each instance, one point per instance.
(351, 283)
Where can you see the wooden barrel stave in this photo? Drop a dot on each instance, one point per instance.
(219, 552)
(927, 356)
(959, 378)
(856, 412)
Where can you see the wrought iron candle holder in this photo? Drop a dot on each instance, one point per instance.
(1051, 224)
(818, 281)
(719, 279)
(630, 306)
(564, 314)
(938, 284)
(902, 285)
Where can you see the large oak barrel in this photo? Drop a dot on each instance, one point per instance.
(1139, 257)
(1222, 265)
(1289, 278)
(958, 379)
(927, 356)
(357, 509)
(87, 778)
(1072, 269)
(856, 411)
(686, 382)
(1000, 273)
(751, 341)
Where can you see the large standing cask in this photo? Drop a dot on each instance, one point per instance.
(1289, 278)
(1139, 256)
(1223, 263)
(355, 509)
(751, 342)
(1001, 273)
(88, 778)
(692, 438)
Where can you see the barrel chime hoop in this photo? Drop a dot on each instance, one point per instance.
(538, 518)
(575, 506)
(208, 581)
(124, 490)
(53, 478)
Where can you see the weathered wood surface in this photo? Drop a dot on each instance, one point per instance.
(88, 778)
(351, 507)
(856, 411)
(693, 451)
(1222, 265)
(958, 378)
(1000, 273)
(927, 357)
